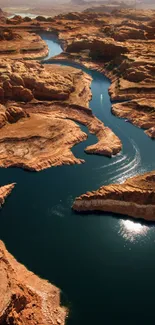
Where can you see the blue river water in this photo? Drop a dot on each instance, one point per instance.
(104, 264)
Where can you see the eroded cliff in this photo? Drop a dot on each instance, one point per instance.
(135, 198)
(123, 50)
(24, 297)
(41, 133)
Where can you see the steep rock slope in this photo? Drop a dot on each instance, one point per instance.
(24, 297)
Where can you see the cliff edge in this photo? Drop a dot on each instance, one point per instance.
(135, 198)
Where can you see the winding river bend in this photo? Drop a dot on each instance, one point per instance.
(103, 264)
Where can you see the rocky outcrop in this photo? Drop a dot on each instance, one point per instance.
(135, 198)
(27, 80)
(8, 35)
(14, 114)
(40, 142)
(24, 297)
(45, 138)
(136, 76)
(99, 48)
(140, 112)
(19, 44)
(43, 132)
(108, 143)
(5, 191)
(151, 132)
(11, 114)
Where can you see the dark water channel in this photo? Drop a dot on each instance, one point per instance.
(103, 264)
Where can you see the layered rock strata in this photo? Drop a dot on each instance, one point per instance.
(45, 138)
(111, 48)
(41, 133)
(123, 50)
(135, 198)
(140, 112)
(17, 44)
(24, 297)
(22, 80)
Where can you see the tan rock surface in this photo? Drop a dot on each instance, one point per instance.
(39, 142)
(25, 80)
(108, 143)
(140, 112)
(45, 138)
(135, 198)
(21, 44)
(24, 297)
(151, 132)
(123, 50)
(104, 42)
(43, 132)
(5, 191)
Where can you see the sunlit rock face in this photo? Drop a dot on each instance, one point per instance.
(5, 191)
(24, 297)
(140, 112)
(135, 198)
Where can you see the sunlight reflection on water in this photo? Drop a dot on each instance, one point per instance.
(132, 231)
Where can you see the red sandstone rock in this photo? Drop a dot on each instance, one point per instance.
(5, 191)
(24, 297)
(140, 112)
(151, 132)
(14, 114)
(135, 198)
(89, 37)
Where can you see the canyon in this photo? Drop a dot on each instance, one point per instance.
(42, 107)
(123, 50)
(43, 129)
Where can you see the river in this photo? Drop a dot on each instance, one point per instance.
(103, 264)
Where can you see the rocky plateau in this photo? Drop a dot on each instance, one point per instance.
(40, 105)
(123, 50)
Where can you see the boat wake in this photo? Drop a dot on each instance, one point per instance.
(124, 167)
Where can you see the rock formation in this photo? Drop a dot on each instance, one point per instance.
(123, 50)
(140, 112)
(45, 137)
(135, 198)
(24, 297)
(21, 44)
(27, 80)
(89, 39)
(44, 131)
(5, 191)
